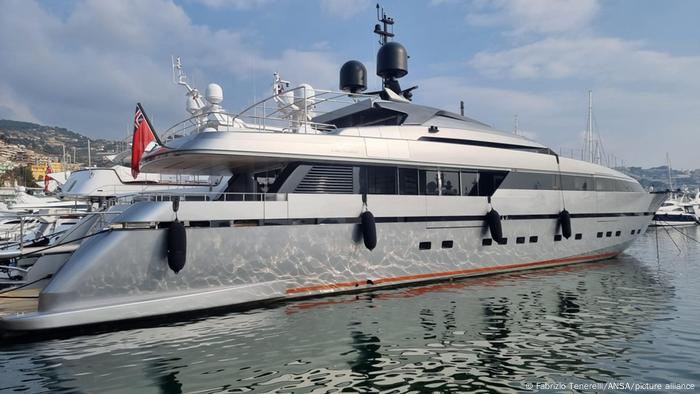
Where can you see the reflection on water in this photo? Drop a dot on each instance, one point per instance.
(631, 318)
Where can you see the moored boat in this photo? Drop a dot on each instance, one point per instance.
(338, 192)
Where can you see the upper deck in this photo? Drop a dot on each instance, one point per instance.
(303, 124)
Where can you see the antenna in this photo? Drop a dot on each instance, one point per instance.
(179, 76)
(589, 129)
(670, 179)
(515, 125)
(383, 32)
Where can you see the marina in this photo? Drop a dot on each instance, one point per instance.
(399, 193)
(356, 223)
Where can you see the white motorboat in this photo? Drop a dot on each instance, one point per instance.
(98, 184)
(337, 192)
(24, 202)
(678, 211)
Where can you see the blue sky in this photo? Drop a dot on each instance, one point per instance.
(83, 64)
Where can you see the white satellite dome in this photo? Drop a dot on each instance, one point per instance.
(305, 92)
(214, 94)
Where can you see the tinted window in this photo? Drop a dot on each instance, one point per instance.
(408, 181)
(529, 180)
(381, 180)
(450, 183)
(602, 184)
(470, 183)
(489, 182)
(429, 183)
(575, 182)
(616, 185)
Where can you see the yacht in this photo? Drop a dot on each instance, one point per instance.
(24, 202)
(333, 192)
(102, 184)
(678, 211)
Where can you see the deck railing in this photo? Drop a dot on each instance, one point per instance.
(200, 196)
(291, 111)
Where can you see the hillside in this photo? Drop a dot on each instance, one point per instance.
(48, 141)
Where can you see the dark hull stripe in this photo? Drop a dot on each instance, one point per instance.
(392, 219)
(674, 218)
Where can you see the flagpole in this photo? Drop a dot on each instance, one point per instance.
(149, 124)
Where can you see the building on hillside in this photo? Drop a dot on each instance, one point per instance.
(39, 170)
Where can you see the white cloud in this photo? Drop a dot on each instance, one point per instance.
(534, 16)
(611, 60)
(13, 108)
(490, 105)
(86, 71)
(344, 8)
(235, 4)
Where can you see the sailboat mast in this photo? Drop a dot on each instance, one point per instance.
(589, 129)
(668, 165)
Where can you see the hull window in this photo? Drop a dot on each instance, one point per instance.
(408, 181)
(379, 180)
(489, 181)
(529, 181)
(470, 183)
(429, 183)
(575, 182)
(449, 185)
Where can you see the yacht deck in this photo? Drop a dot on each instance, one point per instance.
(19, 301)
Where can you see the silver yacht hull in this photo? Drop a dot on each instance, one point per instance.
(123, 274)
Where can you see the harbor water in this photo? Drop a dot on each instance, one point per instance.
(631, 320)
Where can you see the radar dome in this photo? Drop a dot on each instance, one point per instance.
(353, 77)
(392, 61)
(214, 94)
(305, 92)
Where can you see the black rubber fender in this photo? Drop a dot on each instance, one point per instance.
(369, 229)
(493, 219)
(177, 246)
(565, 223)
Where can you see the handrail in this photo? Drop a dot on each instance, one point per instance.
(287, 107)
(212, 196)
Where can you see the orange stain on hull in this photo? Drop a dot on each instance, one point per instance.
(434, 275)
